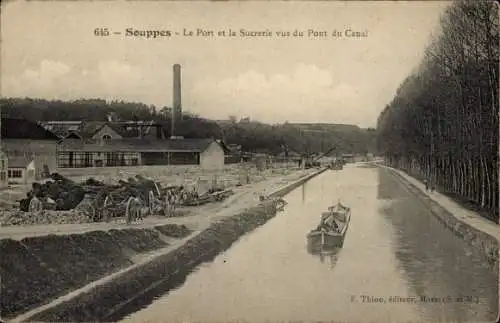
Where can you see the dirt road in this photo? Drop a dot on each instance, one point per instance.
(198, 217)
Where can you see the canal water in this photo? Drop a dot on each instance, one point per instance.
(395, 254)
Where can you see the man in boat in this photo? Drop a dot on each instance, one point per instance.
(327, 223)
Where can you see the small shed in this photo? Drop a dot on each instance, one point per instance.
(21, 169)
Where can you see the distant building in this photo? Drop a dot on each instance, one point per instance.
(75, 153)
(233, 154)
(348, 158)
(21, 169)
(130, 143)
(23, 139)
(104, 130)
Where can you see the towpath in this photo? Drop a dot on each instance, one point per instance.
(399, 263)
(467, 216)
(199, 217)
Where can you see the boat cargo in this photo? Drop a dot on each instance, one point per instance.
(332, 228)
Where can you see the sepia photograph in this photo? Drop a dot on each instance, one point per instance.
(249, 161)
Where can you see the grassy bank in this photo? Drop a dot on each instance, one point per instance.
(36, 270)
(114, 295)
(108, 302)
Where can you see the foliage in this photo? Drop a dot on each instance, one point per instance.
(251, 135)
(443, 121)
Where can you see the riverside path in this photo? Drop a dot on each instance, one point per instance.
(398, 263)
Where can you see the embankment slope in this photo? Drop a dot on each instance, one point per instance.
(103, 265)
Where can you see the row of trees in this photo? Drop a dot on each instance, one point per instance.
(443, 122)
(251, 135)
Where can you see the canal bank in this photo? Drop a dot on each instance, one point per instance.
(394, 248)
(470, 227)
(102, 299)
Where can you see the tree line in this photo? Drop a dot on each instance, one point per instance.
(443, 123)
(252, 136)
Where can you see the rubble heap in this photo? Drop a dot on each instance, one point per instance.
(61, 200)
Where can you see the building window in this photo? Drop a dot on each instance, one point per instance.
(74, 159)
(112, 159)
(134, 162)
(63, 159)
(106, 139)
(88, 160)
(15, 173)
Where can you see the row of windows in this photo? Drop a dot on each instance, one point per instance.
(86, 159)
(15, 173)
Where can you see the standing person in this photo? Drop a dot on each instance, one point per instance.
(426, 182)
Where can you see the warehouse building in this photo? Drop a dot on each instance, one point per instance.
(129, 143)
(75, 153)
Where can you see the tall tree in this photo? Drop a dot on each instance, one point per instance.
(443, 122)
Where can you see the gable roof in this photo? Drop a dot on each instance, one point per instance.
(95, 131)
(89, 128)
(24, 129)
(19, 161)
(73, 135)
(224, 147)
(86, 129)
(130, 129)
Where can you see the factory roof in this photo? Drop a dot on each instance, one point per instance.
(138, 145)
(25, 129)
(19, 161)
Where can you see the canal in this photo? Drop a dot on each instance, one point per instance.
(395, 252)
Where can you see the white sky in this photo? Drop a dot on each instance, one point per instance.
(49, 51)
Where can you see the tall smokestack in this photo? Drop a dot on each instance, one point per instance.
(177, 106)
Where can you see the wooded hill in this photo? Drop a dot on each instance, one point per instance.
(253, 136)
(443, 122)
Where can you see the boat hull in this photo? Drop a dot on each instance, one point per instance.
(328, 240)
(324, 239)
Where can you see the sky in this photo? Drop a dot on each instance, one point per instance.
(49, 50)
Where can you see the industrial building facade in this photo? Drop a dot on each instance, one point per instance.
(74, 153)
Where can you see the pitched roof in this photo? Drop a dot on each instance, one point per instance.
(131, 129)
(19, 161)
(62, 128)
(86, 129)
(89, 128)
(25, 129)
(225, 147)
(137, 145)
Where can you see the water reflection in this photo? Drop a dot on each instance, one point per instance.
(388, 188)
(392, 248)
(303, 190)
(436, 263)
(328, 256)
